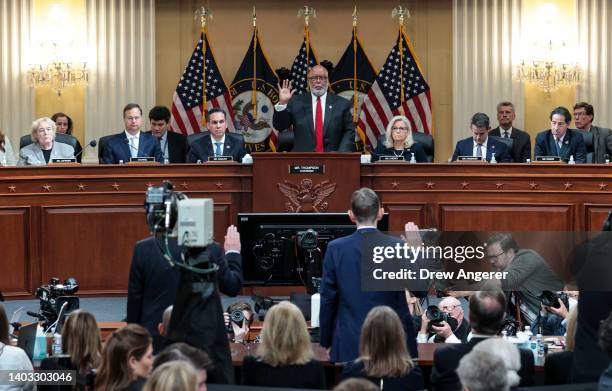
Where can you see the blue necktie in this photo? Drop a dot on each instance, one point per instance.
(217, 149)
(559, 146)
(479, 150)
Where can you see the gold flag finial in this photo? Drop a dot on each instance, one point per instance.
(307, 12)
(203, 14)
(355, 17)
(401, 12)
(254, 16)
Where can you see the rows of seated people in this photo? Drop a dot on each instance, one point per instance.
(51, 138)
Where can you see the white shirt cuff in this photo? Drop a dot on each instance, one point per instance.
(452, 339)
(279, 107)
(232, 251)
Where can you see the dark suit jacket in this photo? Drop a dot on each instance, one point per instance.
(345, 305)
(602, 144)
(203, 148)
(177, 147)
(153, 283)
(117, 148)
(416, 148)
(573, 145)
(338, 126)
(465, 147)
(521, 147)
(446, 361)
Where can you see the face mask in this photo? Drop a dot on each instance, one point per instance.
(572, 302)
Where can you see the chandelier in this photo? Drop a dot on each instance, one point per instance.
(58, 74)
(547, 72)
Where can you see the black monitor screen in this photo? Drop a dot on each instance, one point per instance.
(279, 249)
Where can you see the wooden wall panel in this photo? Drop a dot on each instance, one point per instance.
(14, 242)
(595, 216)
(399, 215)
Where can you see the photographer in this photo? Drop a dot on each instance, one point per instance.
(552, 319)
(238, 320)
(448, 326)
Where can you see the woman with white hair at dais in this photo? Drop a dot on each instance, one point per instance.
(44, 148)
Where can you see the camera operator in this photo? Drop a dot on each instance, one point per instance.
(552, 319)
(453, 330)
(238, 320)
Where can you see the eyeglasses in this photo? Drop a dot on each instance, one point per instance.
(399, 129)
(44, 130)
(448, 308)
(317, 78)
(494, 257)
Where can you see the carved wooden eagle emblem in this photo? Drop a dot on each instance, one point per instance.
(306, 197)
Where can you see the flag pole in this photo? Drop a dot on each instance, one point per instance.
(307, 12)
(355, 99)
(204, 13)
(401, 13)
(254, 80)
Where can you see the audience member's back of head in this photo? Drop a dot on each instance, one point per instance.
(184, 352)
(509, 354)
(487, 311)
(173, 376)
(382, 346)
(354, 384)
(284, 337)
(81, 340)
(482, 371)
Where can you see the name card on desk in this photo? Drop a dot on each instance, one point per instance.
(469, 159)
(306, 169)
(67, 160)
(546, 159)
(142, 159)
(220, 159)
(391, 158)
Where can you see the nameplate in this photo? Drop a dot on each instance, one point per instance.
(220, 159)
(469, 159)
(68, 160)
(142, 159)
(391, 158)
(548, 159)
(304, 169)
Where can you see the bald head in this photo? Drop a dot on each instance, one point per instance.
(317, 80)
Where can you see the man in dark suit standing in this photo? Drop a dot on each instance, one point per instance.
(521, 147)
(602, 137)
(321, 122)
(344, 304)
(487, 311)
(131, 142)
(173, 145)
(480, 145)
(153, 283)
(220, 142)
(559, 140)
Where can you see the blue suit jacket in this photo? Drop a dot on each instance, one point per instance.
(203, 148)
(117, 148)
(573, 145)
(344, 305)
(465, 147)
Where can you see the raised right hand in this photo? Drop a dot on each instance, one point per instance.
(285, 92)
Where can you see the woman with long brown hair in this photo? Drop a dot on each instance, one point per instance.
(7, 158)
(383, 356)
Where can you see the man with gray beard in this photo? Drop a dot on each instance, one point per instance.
(321, 122)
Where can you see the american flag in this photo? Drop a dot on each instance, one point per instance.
(301, 64)
(187, 101)
(384, 100)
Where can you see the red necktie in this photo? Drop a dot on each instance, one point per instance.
(319, 127)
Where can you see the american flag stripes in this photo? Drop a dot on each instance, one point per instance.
(305, 60)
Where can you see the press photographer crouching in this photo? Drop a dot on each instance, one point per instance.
(444, 323)
(238, 319)
(552, 319)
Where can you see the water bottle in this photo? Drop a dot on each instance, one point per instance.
(571, 161)
(412, 159)
(493, 160)
(504, 334)
(3, 162)
(120, 161)
(540, 346)
(57, 344)
(166, 160)
(199, 161)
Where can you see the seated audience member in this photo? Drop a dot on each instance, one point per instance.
(126, 360)
(521, 140)
(197, 357)
(284, 357)
(131, 143)
(382, 359)
(173, 376)
(239, 331)
(399, 142)
(559, 140)
(602, 137)
(44, 148)
(605, 342)
(220, 143)
(482, 371)
(509, 354)
(81, 341)
(445, 332)
(480, 145)
(12, 358)
(355, 384)
(487, 311)
(64, 125)
(7, 157)
(557, 365)
(553, 320)
(173, 145)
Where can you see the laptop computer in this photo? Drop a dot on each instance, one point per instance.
(27, 339)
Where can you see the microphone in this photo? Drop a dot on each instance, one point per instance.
(92, 143)
(127, 142)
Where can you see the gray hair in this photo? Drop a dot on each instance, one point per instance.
(509, 354)
(482, 371)
(506, 103)
(389, 140)
(36, 124)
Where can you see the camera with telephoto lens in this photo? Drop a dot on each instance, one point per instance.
(237, 317)
(436, 317)
(53, 297)
(308, 240)
(551, 299)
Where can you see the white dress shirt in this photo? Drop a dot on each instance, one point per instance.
(483, 148)
(133, 140)
(279, 107)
